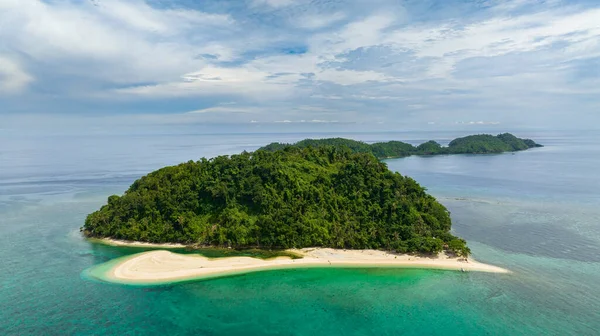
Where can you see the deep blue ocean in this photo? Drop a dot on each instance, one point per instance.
(535, 212)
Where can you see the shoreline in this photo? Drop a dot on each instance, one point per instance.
(163, 267)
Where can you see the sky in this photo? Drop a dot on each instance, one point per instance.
(376, 63)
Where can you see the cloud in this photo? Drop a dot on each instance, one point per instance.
(225, 109)
(314, 121)
(477, 123)
(13, 79)
(274, 3)
(211, 81)
(118, 42)
(350, 77)
(381, 60)
(318, 21)
(362, 33)
(500, 36)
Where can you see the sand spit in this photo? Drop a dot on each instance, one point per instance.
(156, 267)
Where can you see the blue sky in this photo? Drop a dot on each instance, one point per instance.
(516, 63)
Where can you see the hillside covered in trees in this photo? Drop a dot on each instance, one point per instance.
(330, 196)
(473, 144)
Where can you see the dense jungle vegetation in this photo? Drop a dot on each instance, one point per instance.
(330, 196)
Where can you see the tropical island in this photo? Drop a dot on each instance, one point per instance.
(293, 198)
(330, 202)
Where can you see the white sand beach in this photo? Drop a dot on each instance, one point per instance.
(165, 266)
(116, 242)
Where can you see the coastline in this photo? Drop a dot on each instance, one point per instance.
(162, 267)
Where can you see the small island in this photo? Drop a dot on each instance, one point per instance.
(331, 202)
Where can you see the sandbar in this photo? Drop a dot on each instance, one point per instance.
(161, 266)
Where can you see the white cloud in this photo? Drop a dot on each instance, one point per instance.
(218, 81)
(498, 36)
(332, 97)
(350, 77)
(365, 33)
(13, 79)
(119, 42)
(313, 121)
(351, 58)
(317, 21)
(477, 122)
(226, 109)
(141, 16)
(274, 3)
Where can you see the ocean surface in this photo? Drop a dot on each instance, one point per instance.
(535, 212)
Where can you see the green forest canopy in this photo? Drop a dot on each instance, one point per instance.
(296, 197)
(473, 144)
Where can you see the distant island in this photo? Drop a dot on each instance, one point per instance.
(473, 144)
(316, 199)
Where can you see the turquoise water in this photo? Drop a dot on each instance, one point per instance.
(536, 213)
